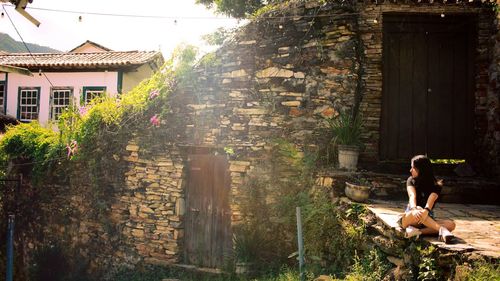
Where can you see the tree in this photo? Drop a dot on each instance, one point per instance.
(217, 37)
(235, 8)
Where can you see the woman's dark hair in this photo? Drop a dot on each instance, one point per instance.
(425, 172)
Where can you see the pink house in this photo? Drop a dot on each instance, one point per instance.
(72, 78)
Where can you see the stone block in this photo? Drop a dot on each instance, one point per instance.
(146, 209)
(396, 261)
(139, 233)
(132, 147)
(237, 168)
(250, 111)
(291, 103)
(274, 72)
(235, 74)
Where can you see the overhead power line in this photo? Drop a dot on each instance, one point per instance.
(179, 17)
(25, 45)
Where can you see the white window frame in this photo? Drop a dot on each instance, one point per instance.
(56, 107)
(91, 92)
(29, 105)
(3, 96)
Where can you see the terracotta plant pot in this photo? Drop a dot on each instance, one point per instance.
(358, 193)
(348, 157)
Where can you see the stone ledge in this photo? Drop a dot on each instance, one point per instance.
(478, 226)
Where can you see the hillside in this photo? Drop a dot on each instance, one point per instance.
(8, 44)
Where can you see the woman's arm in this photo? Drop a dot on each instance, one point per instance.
(412, 196)
(428, 207)
(431, 200)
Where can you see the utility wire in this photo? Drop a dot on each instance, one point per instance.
(26, 45)
(182, 17)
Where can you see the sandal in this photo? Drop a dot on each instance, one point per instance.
(445, 235)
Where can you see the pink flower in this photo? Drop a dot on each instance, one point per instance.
(155, 120)
(72, 148)
(154, 94)
(83, 110)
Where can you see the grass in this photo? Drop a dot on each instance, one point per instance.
(157, 273)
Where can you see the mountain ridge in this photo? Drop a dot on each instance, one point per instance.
(8, 44)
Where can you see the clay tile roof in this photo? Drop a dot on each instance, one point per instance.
(88, 42)
(79, 60)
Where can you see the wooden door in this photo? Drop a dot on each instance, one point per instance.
(208, 216)
(428, 87)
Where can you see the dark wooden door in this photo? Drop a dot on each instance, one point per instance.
(208, 217)
(428, 87)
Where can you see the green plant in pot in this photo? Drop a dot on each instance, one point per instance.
(346, 130)
(246, 242)
(358, 188)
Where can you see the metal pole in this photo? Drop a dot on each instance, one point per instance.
(301, 245)
(10, 248)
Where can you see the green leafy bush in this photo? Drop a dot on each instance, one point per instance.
(427, 268)
(484, 271)
(32, 143)
(370, 267)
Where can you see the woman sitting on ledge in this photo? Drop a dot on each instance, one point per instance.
(423, 192)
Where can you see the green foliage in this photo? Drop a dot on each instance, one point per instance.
(247, 242)
(333, 232)
(217, 37)
(109, 116)
(210, 60)
(234, 8)
(346, 128)
(483, 271)
(270, 7)
(370, 267)
(32, 143)
(447, 161)
(184, 57)
(155, 273)
(427, 268)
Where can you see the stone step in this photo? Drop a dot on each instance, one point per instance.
(465, 190)
(477, 226)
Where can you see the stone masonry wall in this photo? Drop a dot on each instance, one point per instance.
(133, 216)
(277, 78)
(152, 204)
(283, 73)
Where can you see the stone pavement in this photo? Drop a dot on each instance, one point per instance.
(478, 226)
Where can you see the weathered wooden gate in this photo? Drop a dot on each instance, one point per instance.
(428, 86)
(208, 216)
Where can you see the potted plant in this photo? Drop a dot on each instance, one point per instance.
(346, 130)
(357, 189)
(246, 242)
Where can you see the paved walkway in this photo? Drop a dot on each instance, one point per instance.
(478, 226)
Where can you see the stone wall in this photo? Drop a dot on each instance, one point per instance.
(283, 72)
(277, 78)
(126, 211)
(151, 205)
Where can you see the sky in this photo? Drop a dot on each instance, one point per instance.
(183, 22)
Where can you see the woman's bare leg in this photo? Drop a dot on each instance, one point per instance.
(432, 226)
